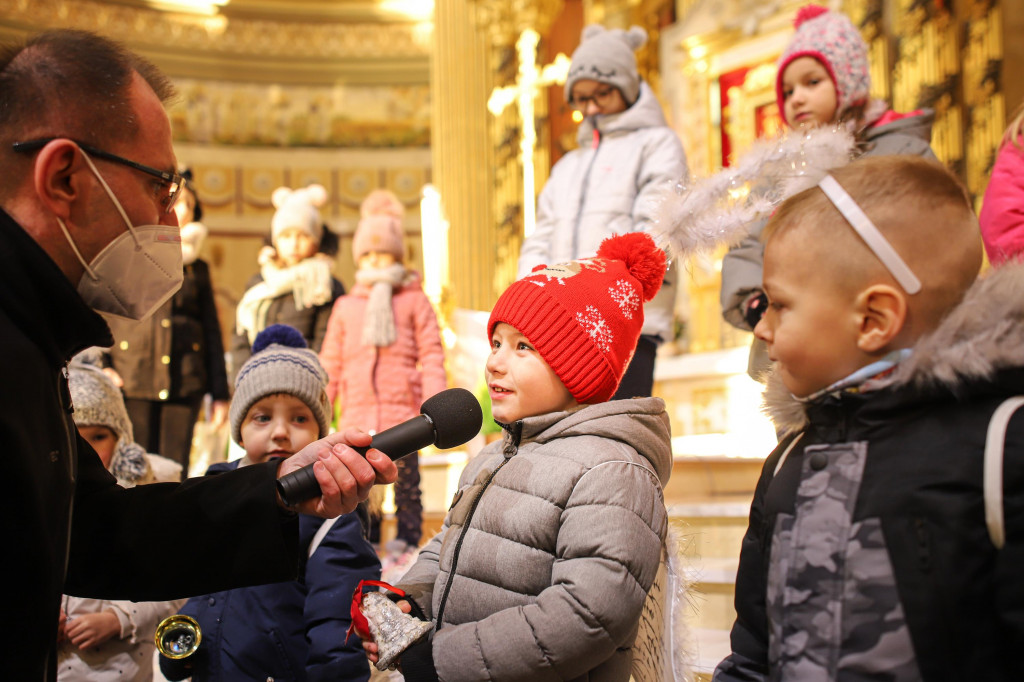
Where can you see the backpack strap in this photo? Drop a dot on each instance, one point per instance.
(992, 477)
(321, 533)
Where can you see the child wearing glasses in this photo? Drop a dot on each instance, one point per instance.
(627, 156)
(879, 547)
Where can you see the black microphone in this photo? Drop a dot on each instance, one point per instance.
(448, 419)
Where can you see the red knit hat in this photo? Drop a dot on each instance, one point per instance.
(584, 317)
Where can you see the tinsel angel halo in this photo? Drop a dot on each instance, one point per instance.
(706, 213)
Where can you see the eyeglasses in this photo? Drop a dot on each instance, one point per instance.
(601, 98)
(174, 181)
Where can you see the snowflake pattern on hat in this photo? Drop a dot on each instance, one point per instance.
(626, 296)
(587, 327)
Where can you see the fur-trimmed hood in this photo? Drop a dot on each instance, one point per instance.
(981, 337)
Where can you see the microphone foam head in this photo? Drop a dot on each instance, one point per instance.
(456, 415)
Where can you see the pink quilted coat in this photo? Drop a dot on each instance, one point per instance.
(381, 387)
(1002, 211)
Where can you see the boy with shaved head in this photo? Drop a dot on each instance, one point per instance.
(870, 553)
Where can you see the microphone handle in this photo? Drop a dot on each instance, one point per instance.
(396, 442)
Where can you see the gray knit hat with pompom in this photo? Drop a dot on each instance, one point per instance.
(607, 56)
(281, 362)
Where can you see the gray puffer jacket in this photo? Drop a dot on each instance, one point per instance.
(549, 548)
(610, 184)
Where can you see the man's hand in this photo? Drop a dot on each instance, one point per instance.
(345, 476)
(92, 629)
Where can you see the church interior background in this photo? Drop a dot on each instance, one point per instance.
(360, 94)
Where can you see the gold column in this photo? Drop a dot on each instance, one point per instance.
(463, 157)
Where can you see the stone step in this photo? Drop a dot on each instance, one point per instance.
(712, 592)
(710, 528)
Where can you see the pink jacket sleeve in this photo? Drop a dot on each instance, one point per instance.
(1002, 211)
(332, 349)
(431, 352)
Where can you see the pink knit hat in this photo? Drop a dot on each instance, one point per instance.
(584, 317)
(832, 39)
(380, 228)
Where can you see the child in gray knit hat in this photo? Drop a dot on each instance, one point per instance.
(102, 639)
(295, 629)
(627, 157)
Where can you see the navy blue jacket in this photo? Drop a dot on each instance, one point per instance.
(291, 630)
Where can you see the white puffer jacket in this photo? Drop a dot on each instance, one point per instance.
(610, 185)
(551, 544)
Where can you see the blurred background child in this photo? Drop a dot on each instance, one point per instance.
(167, 363)
(1002, 211)
(822, 80)
(384, 357)
(609, 184)
(292, 630)
(294, 285)
(101, 639)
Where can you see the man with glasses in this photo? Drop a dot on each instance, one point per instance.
(87, 191)
(627, 156)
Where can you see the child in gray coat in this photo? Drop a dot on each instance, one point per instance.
(554, 537)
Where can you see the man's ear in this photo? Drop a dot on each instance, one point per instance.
(57, 176)
(882, 311)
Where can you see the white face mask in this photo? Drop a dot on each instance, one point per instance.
(136, 272)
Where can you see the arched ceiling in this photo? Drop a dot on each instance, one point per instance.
(311, 42)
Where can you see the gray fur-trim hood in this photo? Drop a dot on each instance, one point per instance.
(981, 336)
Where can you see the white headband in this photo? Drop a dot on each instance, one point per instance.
(875, 240)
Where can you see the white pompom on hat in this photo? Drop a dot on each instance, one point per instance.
(607, 56)
(298, 209)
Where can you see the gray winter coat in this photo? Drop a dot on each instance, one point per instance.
(551, 544)
(610, 185)
(742, 265)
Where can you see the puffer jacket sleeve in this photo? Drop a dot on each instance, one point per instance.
(429, 348)
(742, 271)
(337, 565)
(608, 548)
(332, 350)
(418, 581)
(664, 165)
(1002, 212)
(536, 248)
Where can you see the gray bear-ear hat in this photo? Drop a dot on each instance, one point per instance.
(607, 56)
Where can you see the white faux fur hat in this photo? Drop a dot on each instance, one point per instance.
(298, 208)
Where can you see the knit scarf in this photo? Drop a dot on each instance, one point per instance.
(309, 282)
(379, 320)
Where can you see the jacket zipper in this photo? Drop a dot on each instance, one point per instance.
(465, 528)
(583, 193)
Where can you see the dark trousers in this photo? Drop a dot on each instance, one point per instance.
(408, 506)
(638, 381)
(165, 427)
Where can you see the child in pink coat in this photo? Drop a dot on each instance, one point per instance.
(382, 350)
(1002, 211)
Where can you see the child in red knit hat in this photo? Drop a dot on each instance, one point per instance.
(554, 537)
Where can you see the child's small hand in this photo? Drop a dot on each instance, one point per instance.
(267, 256)
(92, 629)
